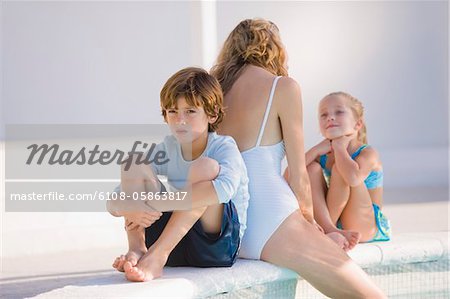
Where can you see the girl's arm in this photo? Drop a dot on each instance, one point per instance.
(322, 148)
(291, 118)
(354, 172)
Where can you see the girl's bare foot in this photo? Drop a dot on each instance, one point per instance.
(339, 239)
(149, 267)
(351, 236)
(132, 257)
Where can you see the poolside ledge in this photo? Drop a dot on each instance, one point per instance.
(253, 279)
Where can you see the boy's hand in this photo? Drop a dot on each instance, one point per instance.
(324, 147)
(144, 219)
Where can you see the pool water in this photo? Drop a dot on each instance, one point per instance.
(409, 281)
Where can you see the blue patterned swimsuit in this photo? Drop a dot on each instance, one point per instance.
(374, 180)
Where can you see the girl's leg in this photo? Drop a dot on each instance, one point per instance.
(318, 260)
(319, 191)
(345, 239)
(360, 203)
(150, 266)
(338, 195)
(352, 205)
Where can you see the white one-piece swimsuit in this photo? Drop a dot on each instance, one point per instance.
(271, 198)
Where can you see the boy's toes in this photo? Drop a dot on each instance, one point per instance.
(116, 263)
(133, 261)
(121, 261)
(133, 273)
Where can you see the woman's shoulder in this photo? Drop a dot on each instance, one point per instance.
(288, 88)
(288, 96)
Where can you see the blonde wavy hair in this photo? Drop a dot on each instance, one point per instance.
(358, 111)
(253, 41)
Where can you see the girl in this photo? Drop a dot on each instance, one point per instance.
(346, 175)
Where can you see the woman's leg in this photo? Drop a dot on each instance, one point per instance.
(299, 246)
(352, 205)
(344, 238)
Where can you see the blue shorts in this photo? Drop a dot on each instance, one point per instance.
(198, 248)
(383, 226)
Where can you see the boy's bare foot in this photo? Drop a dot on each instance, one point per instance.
(149, 267)
(351, 236)
(339, 239)
(132, 257)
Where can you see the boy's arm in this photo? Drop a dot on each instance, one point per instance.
(118, 207)
(224, 187)
(354, 172)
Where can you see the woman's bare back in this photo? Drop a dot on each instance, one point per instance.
(245, 105)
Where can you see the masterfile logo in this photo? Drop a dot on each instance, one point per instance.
(78, 167)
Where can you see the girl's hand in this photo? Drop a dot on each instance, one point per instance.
(342, 142)
(318, 227)
(310, 219)
(324, 147)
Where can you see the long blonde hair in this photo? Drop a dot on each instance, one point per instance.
(253, 41)
(358, 111)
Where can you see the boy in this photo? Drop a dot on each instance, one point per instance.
(209, 234)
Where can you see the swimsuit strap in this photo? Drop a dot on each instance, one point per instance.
(323, 160)
(266, 114)
(358, 151)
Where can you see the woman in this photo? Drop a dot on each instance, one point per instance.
(264, 115)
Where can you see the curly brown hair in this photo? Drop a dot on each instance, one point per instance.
(199, 88)
(253, 41)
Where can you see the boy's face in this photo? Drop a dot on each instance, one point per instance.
(187, 123)
(336, 118)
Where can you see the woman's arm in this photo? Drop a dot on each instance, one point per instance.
(290, 113)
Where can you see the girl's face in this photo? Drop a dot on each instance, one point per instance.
(187, 123)
(336, 118)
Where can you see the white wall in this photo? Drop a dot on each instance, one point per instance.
(105, 62)
(98, 62)
(393, 56)
(81, 62)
